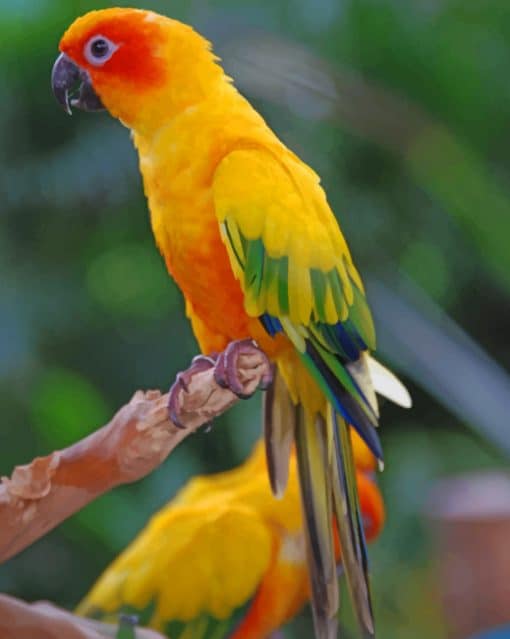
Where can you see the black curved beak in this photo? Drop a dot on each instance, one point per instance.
(72, 86)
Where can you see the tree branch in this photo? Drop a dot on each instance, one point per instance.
(20, 620)
(40, 495)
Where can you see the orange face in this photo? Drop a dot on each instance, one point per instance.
(141, 66)
(119, 46)
(124, 60)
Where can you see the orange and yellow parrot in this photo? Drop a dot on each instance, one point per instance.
(247, 233)
(224, 558)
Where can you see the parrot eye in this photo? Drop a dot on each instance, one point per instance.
(99, 50)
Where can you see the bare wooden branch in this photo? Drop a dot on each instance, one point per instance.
(40, 495)
(20, 620)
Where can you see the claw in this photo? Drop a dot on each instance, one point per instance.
(199, 364)
(226, 369)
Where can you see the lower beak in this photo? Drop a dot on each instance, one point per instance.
(72, 86)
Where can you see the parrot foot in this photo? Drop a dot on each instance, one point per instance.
(226, 371)
(199, 364)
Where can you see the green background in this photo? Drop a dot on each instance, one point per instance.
(404, 109)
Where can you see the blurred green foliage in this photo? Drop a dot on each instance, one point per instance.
(89, 314)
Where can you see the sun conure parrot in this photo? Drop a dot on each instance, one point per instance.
(247, 233)
(224, 558)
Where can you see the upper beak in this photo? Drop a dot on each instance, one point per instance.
(72, 86)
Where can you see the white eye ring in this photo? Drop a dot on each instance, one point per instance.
(99, 49)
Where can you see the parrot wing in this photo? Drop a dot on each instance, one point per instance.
(298, 278)
(188, 573)
(297, 274)
(286, 247)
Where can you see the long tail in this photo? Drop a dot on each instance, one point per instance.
(326, 496)
(316, 496)
(327, 473)
(350, 525)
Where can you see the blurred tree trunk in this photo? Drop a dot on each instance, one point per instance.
(471, 517)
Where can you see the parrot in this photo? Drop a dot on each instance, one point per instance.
(224, 558)
(247, 233)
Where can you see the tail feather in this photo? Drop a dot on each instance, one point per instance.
(280, 416)
(316, 496)
(350, 527)
(326, 467)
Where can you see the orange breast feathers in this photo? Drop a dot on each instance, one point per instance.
(178, 168)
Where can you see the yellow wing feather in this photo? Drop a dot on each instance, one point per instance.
(279, 202)
(191, 558)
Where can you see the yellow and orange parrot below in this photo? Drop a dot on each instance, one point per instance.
(247, 233)
(224, 558)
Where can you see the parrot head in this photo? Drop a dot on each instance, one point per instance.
(131, 62)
